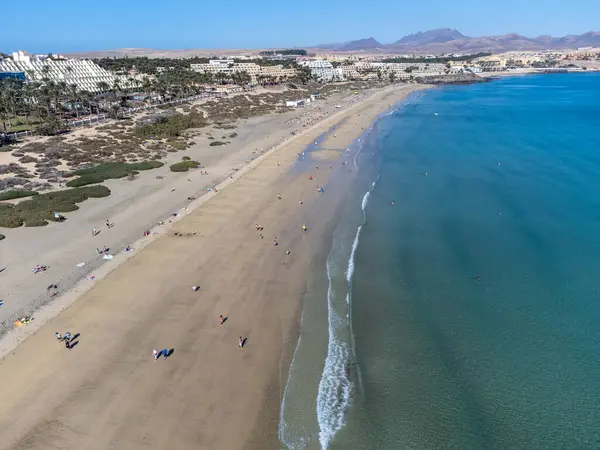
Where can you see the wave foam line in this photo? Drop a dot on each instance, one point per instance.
(335, 387)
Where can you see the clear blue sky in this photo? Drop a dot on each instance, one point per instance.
(42, 26)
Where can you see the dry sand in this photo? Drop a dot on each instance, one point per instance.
(133, 207)
(109, 392)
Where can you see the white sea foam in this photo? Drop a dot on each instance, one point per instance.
(335, 387)
(282, 432)
(365, 200)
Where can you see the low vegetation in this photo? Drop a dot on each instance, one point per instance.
(36, 223)
(40, 209)
(173, 126)
(10, 195)
(108, 171)
(215, 143)
(184, 166)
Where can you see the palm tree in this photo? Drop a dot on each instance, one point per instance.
(133, 83)
(74, 98)
(9, 94)
(45, 72)
(103, 86)
(245, 78)
(147, 86)
(235, 78)
(28, 99)
(86, 99)
(115, 111)
(4, 115)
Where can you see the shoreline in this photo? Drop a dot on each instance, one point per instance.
(133, 211)
(319, 388)
(138, 324)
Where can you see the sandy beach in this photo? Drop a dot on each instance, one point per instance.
(133, 207)
(108, 391)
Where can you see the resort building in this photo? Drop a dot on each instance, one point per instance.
(84, 73)
(365, 70)
(322, 70)
(256, 72)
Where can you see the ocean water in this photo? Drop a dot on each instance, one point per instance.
(467, 316)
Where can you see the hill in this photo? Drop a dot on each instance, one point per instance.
(446, 40)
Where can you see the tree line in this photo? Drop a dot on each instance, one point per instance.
(143, 64)
(48, 105)
(146, 65)
(287, 52)
(441, 59)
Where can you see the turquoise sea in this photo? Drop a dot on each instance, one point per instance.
(466, 315)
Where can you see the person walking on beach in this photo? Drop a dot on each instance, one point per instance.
(165, 352)
(241, 343)
(67, 344)
(58, 337)
(155, 354)
(221, 320)
(94, 231)
(107, 224)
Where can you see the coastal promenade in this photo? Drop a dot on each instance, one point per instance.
(109, 392)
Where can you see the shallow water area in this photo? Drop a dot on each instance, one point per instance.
(456, 307)
(475, 297)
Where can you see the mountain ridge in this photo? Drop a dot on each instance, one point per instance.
(447, 40)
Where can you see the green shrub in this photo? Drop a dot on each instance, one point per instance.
(28, 159)
(186, 158)
(36, 223)
(1, 237)
(145, 165)
(215, 143)
(40, 209)
(178, 145)
(87, 179)
(184, 166)
(109, 171)
(10, 221)
(166, 127)
(9, 195)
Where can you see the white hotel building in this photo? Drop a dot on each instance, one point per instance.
(228, 66)
(84, 73)
(323, 70)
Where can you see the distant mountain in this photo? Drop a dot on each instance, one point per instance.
(361, 44)
(438, 35)
(446, 40)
